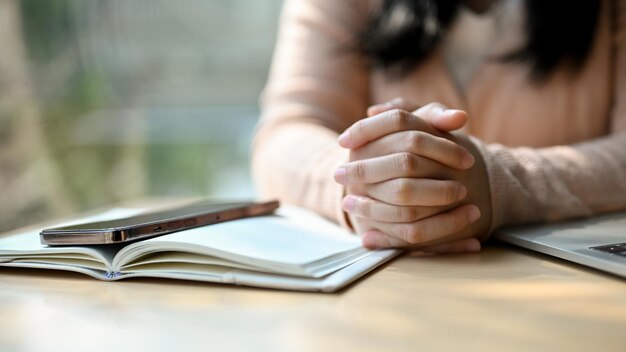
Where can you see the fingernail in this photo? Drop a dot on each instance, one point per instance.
(468, 161)
(474, 214)
(450, 112)
(462, 193)
(374, 108)
(344, 139)
(348, 204)
(341, 175)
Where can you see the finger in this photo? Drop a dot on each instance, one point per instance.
(419, 143)
(438, 115)
(372, 209)
(466, 245)
(376, 240)
(442, 118)
(367, 130)
(397, 103)
(383, 168)
(433, 230)
(417, 192)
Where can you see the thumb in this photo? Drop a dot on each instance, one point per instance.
(397, 103)
(442, 118)
(437, 115)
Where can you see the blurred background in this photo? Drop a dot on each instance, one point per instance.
(104, 101)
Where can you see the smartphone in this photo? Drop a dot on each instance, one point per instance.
(152, 224)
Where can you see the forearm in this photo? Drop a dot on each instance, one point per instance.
(537, 185)
(295, 161)
(318, 86)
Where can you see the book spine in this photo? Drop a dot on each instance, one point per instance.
(113, 274)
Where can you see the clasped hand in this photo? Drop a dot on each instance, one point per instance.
(410, 183)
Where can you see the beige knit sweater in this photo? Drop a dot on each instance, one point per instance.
(553, 151)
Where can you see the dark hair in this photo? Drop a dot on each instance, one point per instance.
(404, 32)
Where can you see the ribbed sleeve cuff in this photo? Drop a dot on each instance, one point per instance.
(499, 181)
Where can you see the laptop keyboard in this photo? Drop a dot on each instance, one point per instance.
(617, 248)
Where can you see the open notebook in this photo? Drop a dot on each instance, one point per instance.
(293, 249)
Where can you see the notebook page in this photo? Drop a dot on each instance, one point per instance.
(290, 238)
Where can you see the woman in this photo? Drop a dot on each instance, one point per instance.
(538, 89)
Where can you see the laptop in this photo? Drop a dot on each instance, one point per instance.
(598, 242)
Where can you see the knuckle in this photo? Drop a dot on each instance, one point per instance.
(400, 119)
(408, 214)
(412, 233)
(417, 141)
(407, 163)
(358, 171)
(402, 191)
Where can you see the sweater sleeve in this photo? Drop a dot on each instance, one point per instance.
(561, 182)
(318, 86)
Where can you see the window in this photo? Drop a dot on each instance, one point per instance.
(103, 101)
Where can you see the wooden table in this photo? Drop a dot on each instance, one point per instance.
(503, 299)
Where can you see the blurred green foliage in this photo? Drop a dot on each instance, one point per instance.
(107, 82)
(66, 89)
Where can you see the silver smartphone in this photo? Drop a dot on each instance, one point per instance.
(152, 224)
